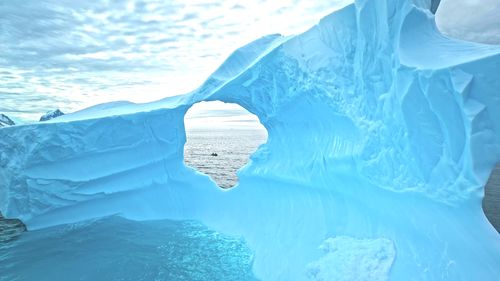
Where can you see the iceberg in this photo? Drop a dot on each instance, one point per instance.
(5, 121)
(51, 115)
(381, 136)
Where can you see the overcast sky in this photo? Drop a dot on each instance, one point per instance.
(73, 54)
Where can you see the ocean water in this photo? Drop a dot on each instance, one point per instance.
(491, 202)
(233, 147)
(115, 248)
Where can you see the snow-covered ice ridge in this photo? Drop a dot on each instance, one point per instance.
(382, 133)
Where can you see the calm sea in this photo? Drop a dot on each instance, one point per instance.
(232, 146)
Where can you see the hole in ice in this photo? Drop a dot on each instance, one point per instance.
(220, 137)
(491, 201)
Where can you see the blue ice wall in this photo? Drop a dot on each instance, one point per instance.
(382, 133)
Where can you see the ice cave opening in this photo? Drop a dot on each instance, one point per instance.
(220, 139)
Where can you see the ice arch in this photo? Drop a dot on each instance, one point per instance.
(220, 140)
(382, 133)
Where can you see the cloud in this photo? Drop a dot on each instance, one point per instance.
(73, 54)
(76, 53)
(216, 109)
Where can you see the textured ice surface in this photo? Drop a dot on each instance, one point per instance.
(380, 129)
(354, 259)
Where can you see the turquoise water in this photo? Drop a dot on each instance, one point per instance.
(115, 248)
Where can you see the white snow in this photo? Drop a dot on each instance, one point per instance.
(350, 259)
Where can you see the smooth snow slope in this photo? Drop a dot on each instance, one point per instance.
(382, 134)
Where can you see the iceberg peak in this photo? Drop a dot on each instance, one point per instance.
(51, 115)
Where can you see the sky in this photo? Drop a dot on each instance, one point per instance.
(216, 115)
(73, 54)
